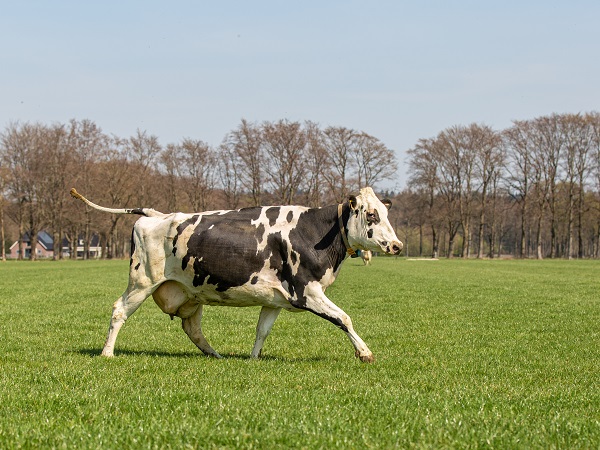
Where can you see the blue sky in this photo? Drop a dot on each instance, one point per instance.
(398, 70)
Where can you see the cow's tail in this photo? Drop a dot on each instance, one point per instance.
(148, 212)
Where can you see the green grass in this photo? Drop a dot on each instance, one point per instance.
(469, 354)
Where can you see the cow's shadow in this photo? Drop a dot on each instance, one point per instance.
(93, 352)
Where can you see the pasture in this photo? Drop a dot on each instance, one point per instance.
(469, 354)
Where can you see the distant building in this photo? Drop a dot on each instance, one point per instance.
(45, 247)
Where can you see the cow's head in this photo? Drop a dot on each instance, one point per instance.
(369, 227)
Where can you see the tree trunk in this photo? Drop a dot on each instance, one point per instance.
(2, 231)
(539, 253)
(435, 243)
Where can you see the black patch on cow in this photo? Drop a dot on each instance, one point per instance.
(337, 322)
(373, 217)
(226, 254)
(279, 260)
(294, 257)
(139, 211)
(370, 233)
(254, 280)
(131, 248)
(180, 229)
(137, 266)
(272, 214)
(290, 216)
(260, 231)
(318, 242)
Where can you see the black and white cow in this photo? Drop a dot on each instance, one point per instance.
(274, 257)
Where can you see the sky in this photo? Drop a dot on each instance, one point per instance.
(398, 70)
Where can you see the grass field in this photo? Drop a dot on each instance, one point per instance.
(469, 354)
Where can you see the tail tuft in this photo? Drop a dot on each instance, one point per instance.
(76, 194)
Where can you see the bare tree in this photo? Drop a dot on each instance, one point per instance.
(489, 158)
(593, 122)
(86, 143)
(541, 182)
(284, 145)
(317, 164)
(424, 178)
(518, 141)
(14, 148)
(458, 154)
(552, 144)
(119, 187)
(4, 180)
(577, 145)
(54, 184)
(22, 145)
(373, 160)
(338, 142)
(143, 153)
(169, 161)
(197, 167)
(246, 142)
(229, 168)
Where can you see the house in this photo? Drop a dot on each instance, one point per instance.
(45, 247)
(95, 248)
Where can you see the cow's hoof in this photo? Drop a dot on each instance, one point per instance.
(107, 354)
(368, 358)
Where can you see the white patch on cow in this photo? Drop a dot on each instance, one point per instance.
(329, 277)
(183, 238)
(281, 224)
(296, 265)
(211, 227)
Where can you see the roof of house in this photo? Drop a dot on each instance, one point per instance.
(44, 239)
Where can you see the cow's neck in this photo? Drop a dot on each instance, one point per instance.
(344, 231)
(332, 242)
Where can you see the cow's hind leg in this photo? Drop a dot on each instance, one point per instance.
(263, 328)
(317, 302)
(192, 325)
(123, 308)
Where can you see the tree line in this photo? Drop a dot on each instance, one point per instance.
(529, 191)
(532, 190)
(281, 162)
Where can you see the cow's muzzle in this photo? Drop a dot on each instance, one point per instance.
(393, 248)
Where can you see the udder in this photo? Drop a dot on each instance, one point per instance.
(173, 299)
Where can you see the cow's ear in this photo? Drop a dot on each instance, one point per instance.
(387, 202)
(352, 201)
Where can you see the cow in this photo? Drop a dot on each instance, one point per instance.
(366, 256)
(275, 257)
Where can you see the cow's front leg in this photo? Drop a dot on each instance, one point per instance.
(317, 302)
(263, 328)
(193, 327)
